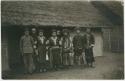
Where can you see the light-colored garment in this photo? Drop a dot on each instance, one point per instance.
(26, 43)
(42, 39)
(54, 40)
(28, 62)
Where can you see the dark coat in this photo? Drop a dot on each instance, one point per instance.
(42, 49)
(54, 52)
(66, 49)
(78, 42)
(89, 42)
(35, 39)
(51, 42)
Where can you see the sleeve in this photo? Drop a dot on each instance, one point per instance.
(21, 44)
(73, 41)
(60, 41)
(83, 39)
(47, 42)
(92, 40)
(38, 41)
(32, 40)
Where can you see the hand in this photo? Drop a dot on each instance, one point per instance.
(34, 46)
(92, 45)
(35, 42)
(47, 48)
(36, 52)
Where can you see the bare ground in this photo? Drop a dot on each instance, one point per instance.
(110, 66)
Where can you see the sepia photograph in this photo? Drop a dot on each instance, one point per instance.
(62, 40)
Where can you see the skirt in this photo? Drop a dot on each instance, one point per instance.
(89, 55)
(55, 56)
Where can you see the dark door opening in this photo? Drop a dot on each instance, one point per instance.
(14, 35)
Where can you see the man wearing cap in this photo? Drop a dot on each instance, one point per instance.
(55, 51)
(78, 45)
(42, 51)
(66, 48)
(26, 47)
(35, 54)
(89, 44)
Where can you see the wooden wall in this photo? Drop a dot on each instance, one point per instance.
(4, 51)
(113, 39)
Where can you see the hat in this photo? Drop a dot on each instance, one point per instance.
(33, 29)
(53, 30)
(26, 29)
(40, 30)
(77, 28)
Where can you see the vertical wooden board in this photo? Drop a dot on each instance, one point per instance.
(98, 48)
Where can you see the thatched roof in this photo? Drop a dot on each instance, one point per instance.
(115, 6)
(52, 13)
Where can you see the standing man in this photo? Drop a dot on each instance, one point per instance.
(35, 50)
(89, 44)
(66, 48)
(59, 34)
(54, 51)
(78, 45)
(26, 47)
(42, 51)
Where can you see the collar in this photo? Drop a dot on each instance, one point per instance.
(54, 37)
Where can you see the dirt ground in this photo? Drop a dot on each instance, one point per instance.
(109, 66)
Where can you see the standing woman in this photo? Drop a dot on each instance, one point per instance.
(54, 51)
(89, 44)
(42, 51)
(66, 48)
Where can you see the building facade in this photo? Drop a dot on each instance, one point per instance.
(46, 15)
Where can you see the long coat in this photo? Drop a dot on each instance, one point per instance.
(34, 36)
(89, 43)
(66, 50)
(42, 49)
(78, 44)
(54, 51)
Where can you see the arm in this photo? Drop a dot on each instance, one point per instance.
(92, 40)
(21, 47)
(73, 42)
(84, 41)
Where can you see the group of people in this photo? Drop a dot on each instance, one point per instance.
(56, 52)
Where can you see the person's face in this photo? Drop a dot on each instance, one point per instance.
(40, 33)
(33, 30)
(88, 30)
(58, 32)
(26, 33)
(65, 33)
(77, 31)
(54, 34)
